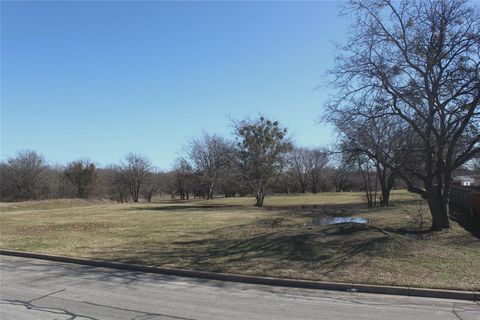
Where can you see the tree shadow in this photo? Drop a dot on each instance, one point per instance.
(341, 206)
(187, 208)
(328, 248)
(467, 222)
(334, 206)
(79, 273)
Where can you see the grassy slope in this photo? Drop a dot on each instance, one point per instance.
(229, 235)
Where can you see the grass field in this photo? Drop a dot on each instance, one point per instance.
(230, 235)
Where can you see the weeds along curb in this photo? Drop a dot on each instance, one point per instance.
(335, 286)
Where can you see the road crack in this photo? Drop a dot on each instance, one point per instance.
(56, 311)
(143, 314)
(47, 295)
(455, 312)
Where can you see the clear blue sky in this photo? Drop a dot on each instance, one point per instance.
(101, 79)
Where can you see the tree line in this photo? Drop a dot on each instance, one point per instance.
(258, 159)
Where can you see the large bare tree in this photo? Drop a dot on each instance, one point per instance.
(418, 62)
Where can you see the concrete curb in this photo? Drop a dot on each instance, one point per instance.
(335, 286)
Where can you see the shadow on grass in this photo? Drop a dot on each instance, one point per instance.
(467, 222)
(328, 249)
(300, 209)
(186, 207)
(341, 206)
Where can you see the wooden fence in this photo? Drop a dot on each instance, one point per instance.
(467, 199)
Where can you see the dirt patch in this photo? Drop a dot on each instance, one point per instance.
(79, 226)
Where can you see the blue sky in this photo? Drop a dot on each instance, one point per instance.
(101, 79)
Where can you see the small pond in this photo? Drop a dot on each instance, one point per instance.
(417, 236)
(325, 221)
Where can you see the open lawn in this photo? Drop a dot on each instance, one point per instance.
(230, 235)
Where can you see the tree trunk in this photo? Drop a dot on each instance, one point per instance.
(366, 184)
(303, 188)
(210, 191)
(385, 197)
(387, 181)
(260, 197)
(314, 186)
(439, 209)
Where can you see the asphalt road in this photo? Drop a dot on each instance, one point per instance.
(36, 289)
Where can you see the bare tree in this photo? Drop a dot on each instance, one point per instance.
(261, 154)
(229, 182)
(135, 170)
(417, 62)
(183, 178)
(475, 164)
(307, 165)
(373, 139)
(287, 182)
(82, 174)
(299, 167)
(6, 183)
(23, 177)
(365, 166)
(327, 183)
(208, 154)
(169, 183)
(345, 174)
(316, 160)
(117, 185)
(152, 185)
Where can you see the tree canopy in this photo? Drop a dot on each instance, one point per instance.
(413, 64)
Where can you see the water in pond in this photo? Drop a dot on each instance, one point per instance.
(417, 236)
(324, 221)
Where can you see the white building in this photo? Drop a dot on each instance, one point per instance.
(464, 181)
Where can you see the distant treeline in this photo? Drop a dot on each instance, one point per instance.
(260, 159)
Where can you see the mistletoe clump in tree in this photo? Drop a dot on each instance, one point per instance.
(260, 154)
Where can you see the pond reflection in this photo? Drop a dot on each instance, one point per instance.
(417, 236)
(325, 221)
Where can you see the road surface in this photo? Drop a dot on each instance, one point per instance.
(37, 289)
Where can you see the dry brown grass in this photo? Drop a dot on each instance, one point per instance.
(229, 235)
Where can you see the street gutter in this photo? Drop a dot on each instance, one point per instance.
(307, 284)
